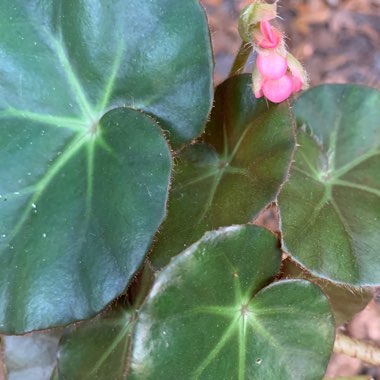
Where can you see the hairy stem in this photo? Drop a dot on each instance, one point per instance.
(241, 59)
(355, 348)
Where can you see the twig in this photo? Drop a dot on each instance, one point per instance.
(355, 348)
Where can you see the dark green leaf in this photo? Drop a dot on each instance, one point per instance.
(330, 208)
(78, 213)
(97, 349)
(67, 62)
(233, 174)
(209, 317)
(345, 300)
(77, 228)
(74, 228)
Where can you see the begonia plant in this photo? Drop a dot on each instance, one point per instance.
(131, 194)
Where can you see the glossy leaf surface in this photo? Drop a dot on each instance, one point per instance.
(330, 208)
(68, 62)
(77, 216)
(345, 300)
(230, 176)
(210, 316)
(97, 349)
(77, 228)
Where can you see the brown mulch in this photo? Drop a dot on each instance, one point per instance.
(338, 42)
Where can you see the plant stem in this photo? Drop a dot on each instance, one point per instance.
(241, 59)
(355, 348)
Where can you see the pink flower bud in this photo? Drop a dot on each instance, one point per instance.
(271, 65)
(253, 14)
(270, 37)
(278, 90)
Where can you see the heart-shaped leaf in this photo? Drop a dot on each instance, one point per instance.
(209, 317)
(330, 208)
(77, 228)
(233, 174)
(84, 189)
(345, 300)
(97, 349)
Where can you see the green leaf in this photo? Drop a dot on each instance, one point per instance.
(97, 349)
(210, 316)
(67, 62)
(345, 300)
(100, 348)
(78, 206)
(330, 207)
(76, 229)
(32, 356)
(230, 176)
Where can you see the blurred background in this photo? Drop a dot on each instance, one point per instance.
(338, 41)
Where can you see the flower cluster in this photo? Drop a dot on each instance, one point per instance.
(277, 73)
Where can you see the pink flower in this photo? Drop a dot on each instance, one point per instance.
(269, 37)
(277, 74)
(271, 65)
(297, 84)
(278, 90)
